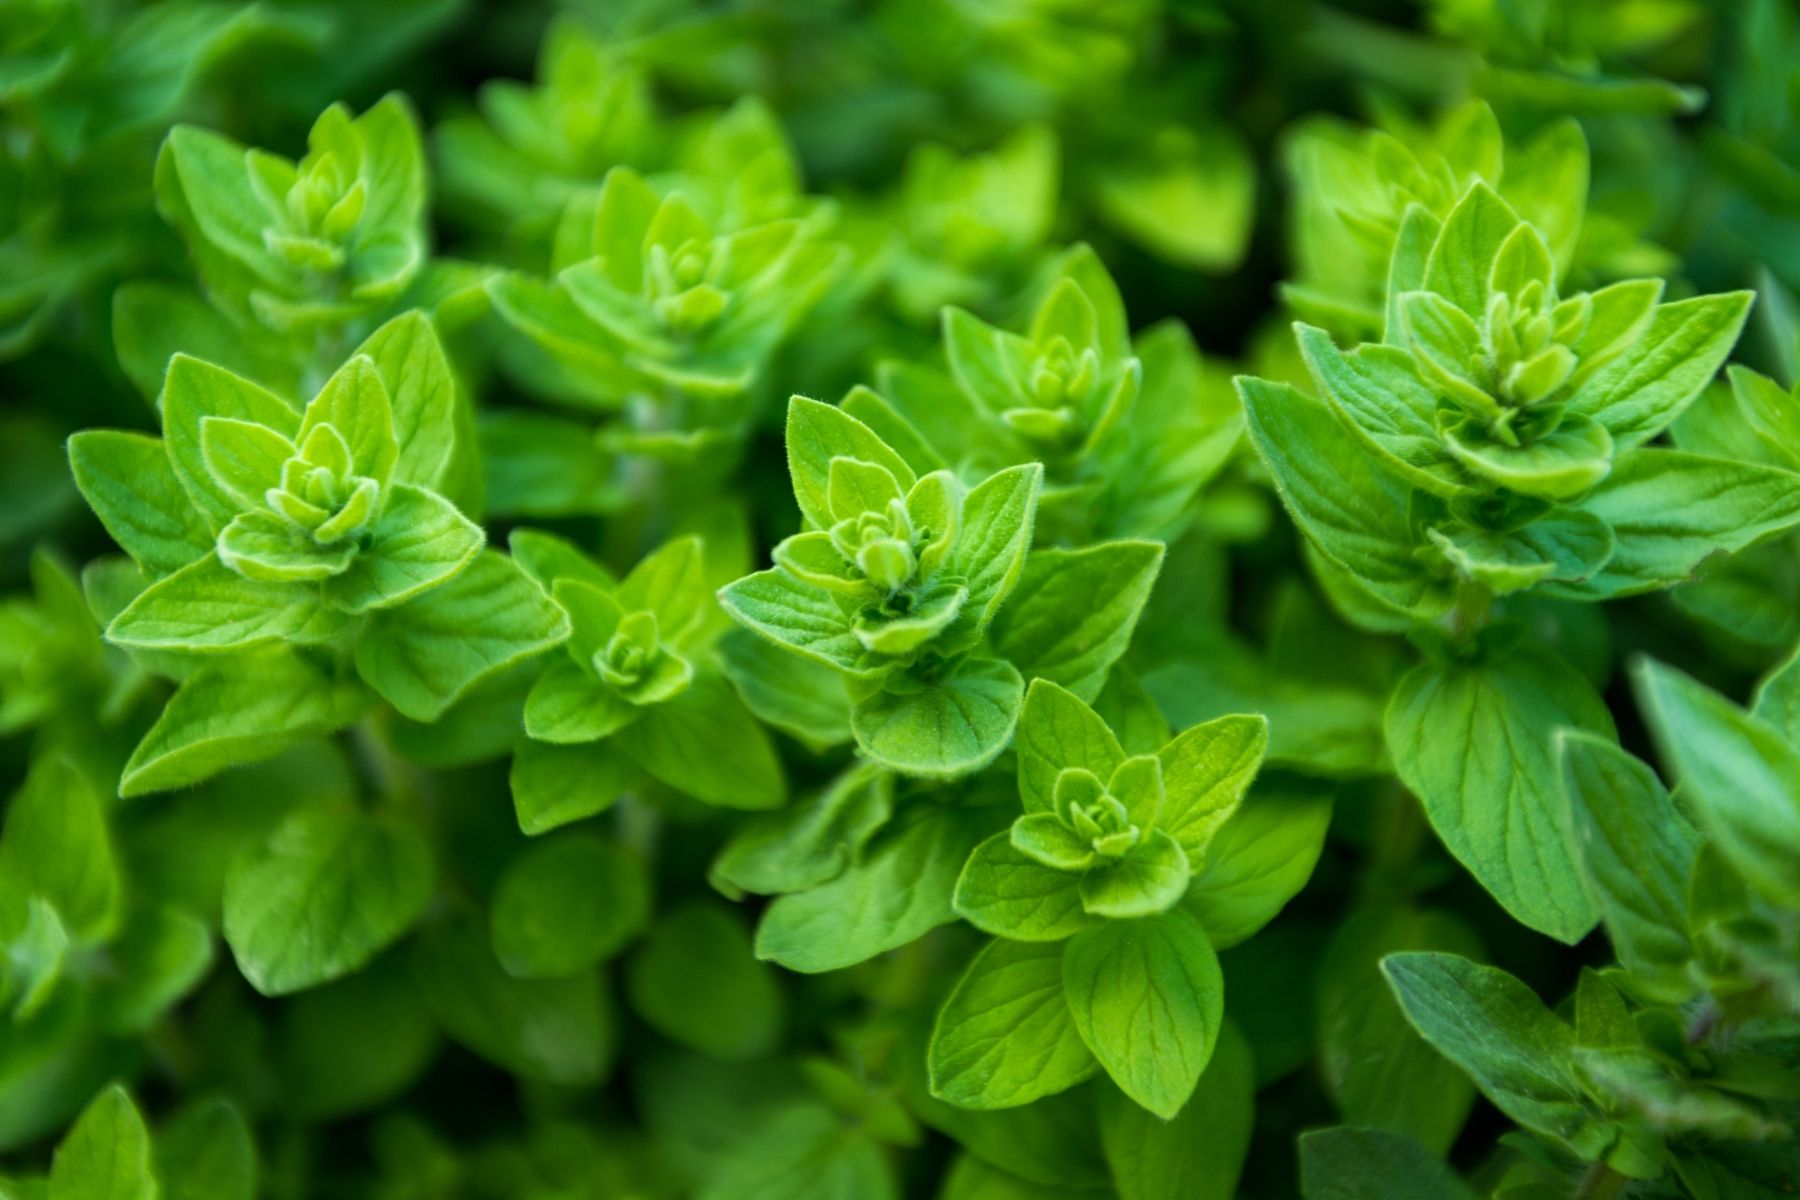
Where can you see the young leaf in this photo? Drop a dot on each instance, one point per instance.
(1147, 998)
(989, 552)
(421, 391)
(1640, 392)
(1206, 771)
(818, 433)
(1004, 1036)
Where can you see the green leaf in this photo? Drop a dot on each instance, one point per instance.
(798, 695)
(568, 706)
(329, 890)
(989, 553)
(1191, 202)
(1004, 892)
(1260, 859)
(818, 433)
(1462, 259)
(670, 582)
(1057, 730)
(566, 904)
(56, 846)
(127, 481)
(425, 653)
(1558, 466)
(1206, 770)
(1004, 1036)
(355, 403)
(1669, 510)
(207, 1153)
(1474, 742)
(419, 541)
(1739, 777)
(161, 956)
(695, 982)
(106, 1156)
(897, 892)
(353, 1045)
(1492, 1026)
(705, 743)
(805, 619)
(801, 1151)
(244, 709)
(1198, 1155)
(1148, 879)
(208, 606)
(558, 1031)
(548, 557)
(553, 786)
(1378, 392)
(1637, 854)
(969, 1178)
(1378, 1072)
(952, 726)
(1640, 392)
(421, 391)
(1074, 612)
(1148, 999)
(1352, 511)
(194, 390)
(811, 840)
(1373, 1164)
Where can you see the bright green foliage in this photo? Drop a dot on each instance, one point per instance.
(1175, 719)
(312, 242)
(899, 576)
(1085, 893)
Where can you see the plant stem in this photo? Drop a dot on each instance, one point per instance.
(1600, 1183)
(1474, 610)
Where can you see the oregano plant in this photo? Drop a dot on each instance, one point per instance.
(899, 601)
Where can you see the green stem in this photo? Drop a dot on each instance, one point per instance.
(1600, 1183)
(1474, 610)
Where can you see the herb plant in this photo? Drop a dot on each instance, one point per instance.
(769, 600)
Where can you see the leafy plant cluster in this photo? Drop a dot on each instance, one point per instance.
(854, 601)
